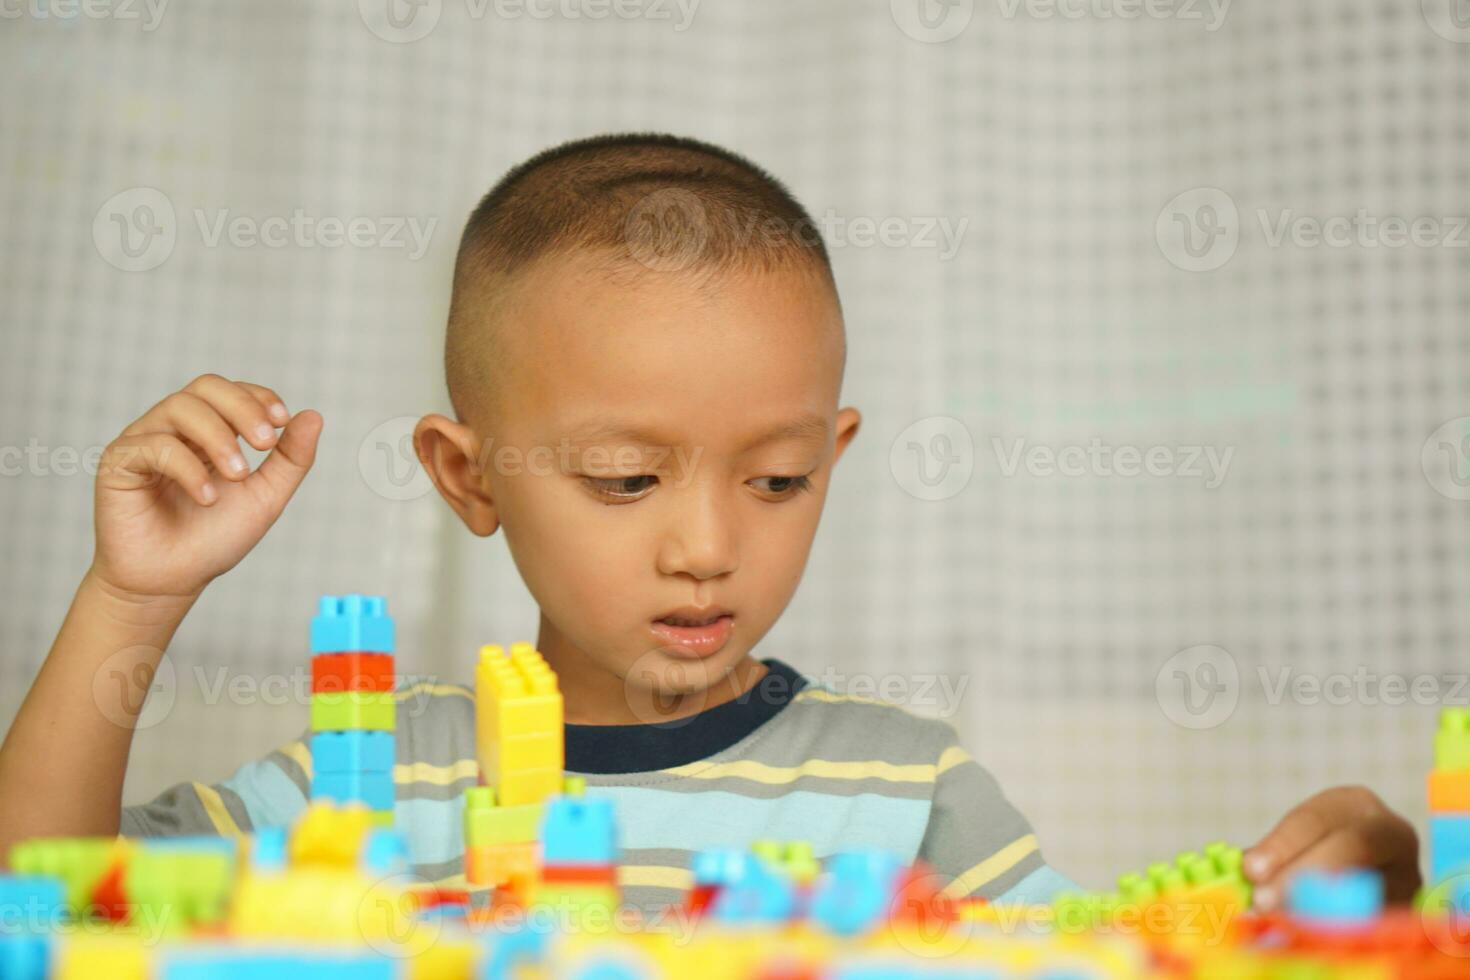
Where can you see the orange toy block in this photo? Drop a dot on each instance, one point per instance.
(1449, 791)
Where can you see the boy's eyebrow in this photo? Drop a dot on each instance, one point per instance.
(807, 426)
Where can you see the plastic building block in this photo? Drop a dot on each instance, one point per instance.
(518, 724)
(792, 858)
(181, 885)
(1449, 846)
(1452, 742)
(501, 864)
(333, 673)
(352, 751)
(855, 891)
(25, 956)
(268, 849)
(78, 862)
(1449, 791)
(93, 957)
(375, 789)
(486, 823)
(320, 903)
(31, 903)
(578, 831)
(353, 710)
(230, 963)
(759, 897)
(1347, 899)
(384, 853)
(352, 623)
(329, 834)
(722, 867)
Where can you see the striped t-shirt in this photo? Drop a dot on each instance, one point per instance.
(788, 760)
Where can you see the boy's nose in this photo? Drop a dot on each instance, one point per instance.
(700, 540)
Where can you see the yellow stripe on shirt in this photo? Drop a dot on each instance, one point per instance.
(215, 809)
(760, 772)
(655, 876)
(423, 772)
(992, 867)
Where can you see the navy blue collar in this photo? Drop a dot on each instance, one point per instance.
(610, 749)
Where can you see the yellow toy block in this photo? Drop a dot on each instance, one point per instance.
(319, 902)
(518, 724)
(447, 959)
(328, 834)
(91, 957)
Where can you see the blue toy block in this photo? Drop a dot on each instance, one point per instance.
(760, 897)
(385, 853)
(268, 850)
(25, 956)
(1338, 899)
(507, 953)
(233, 963)
(722, 867)
(352, 623)
(1449, 846)
(373, 788)
(578, 830)
(355, 751)
(31, 903)
(855, 892)
(609, 969)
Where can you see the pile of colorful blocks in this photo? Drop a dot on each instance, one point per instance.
(519, 741)
(1449, 799)
(353, 709)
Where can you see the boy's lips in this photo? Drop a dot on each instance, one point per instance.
(702, 640)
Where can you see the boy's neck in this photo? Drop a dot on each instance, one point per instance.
(594, 695)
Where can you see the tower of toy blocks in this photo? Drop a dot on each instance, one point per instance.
(579, 852)
(1449, 797)
(352, 704)
(518, 736)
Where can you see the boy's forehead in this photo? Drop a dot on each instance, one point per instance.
(644, 358)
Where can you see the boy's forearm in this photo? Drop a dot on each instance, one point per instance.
(63, 761)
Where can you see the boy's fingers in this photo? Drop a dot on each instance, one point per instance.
(131, 463)
(284, 468)
(274, 405)
(238, 405)
(1297, 831)
(197, 421)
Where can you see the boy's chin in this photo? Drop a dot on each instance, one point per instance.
(664, 681)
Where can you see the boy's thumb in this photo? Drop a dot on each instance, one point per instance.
(287, 464)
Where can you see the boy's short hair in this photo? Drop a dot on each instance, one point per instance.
(644, 203)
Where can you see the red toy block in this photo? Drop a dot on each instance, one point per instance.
(580, 874)
(334, 673)
(109, 897)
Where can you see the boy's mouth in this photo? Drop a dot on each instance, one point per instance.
(699, 633)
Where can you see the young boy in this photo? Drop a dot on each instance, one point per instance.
(644, 353)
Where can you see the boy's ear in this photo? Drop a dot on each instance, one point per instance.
(848, 422)
(449, 453)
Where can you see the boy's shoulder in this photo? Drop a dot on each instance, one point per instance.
(823, 719)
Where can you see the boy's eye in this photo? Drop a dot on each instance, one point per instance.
(619, 488)
(788, 486)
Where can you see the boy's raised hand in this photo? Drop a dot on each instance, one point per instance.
(176, 505)
(1343, 827)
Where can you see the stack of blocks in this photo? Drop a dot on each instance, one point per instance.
(518, 738)
(579, 853)
(352, 704)
(1449, 798)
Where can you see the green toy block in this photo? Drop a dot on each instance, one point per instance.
(79, 862)
(1452, 741)
(340, 711)
(1219, 864)
(486, 823)
(793, 858)
(180, 888)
